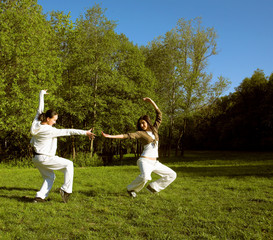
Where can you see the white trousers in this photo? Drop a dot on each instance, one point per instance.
(46, 166)
(146, 168)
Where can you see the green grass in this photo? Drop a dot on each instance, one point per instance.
(217, 195)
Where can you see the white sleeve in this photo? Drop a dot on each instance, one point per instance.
(36, 123)
(66, 132)
(41, 104)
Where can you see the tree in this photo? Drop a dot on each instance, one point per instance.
(179, 61)
(240, 121)
(132, 81)
(29, 62)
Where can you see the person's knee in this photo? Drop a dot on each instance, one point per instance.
(173, 175)
(70, 165)
(51, 177)
(144, 178)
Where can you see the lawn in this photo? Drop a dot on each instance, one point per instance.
(217, 195)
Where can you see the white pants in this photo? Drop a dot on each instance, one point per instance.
(46, 166)
(146, 168)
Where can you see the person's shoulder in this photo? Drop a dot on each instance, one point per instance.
(45, 127)
(141, 133)
(137, 134)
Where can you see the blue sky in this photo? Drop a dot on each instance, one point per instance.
(244, 28)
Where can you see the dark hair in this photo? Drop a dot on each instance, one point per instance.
(148, 120)
(49, 114)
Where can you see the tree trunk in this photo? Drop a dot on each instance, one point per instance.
(120, 151)
(172, 104)
(73, 148)
(91, 147)
(94, 111)
(180, 142)
(169, 146)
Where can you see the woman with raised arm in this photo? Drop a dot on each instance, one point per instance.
(44, 143)
(148, 163)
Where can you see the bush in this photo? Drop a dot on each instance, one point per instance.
(23, 162)
(82, 160)
(85, 160)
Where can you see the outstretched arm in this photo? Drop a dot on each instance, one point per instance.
(151, 101)
(55, 132)
(120, 136)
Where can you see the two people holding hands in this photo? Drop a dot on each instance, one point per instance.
(44, 143)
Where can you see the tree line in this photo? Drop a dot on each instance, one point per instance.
(97, 78)
(243, 120)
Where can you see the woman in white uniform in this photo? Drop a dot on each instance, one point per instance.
(148, 135)
(44, 143)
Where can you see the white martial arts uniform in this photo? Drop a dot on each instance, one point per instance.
(147, 166)
(44, 142)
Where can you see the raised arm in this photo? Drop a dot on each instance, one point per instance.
(158, 119)
(35, 123)
(152, 102)
(41, 103)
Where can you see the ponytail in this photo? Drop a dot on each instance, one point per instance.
(42, 117)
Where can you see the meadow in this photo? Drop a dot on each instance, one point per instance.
(217, 195)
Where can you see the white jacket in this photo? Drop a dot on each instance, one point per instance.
(44, 137)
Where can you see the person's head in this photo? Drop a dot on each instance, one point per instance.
(144, 124)
(50, 117)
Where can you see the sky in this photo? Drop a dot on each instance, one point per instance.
(244, 28)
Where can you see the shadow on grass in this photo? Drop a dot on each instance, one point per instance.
(102, 192)
(17, 189)
(89, 193)
(202, 156)
(232, 171)
(17, 197)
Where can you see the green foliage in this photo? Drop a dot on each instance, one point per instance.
(97, 78)
(86, 68)
(242, 120)
(179, 60)
(29, 62)
(20, 162)
(85, 160)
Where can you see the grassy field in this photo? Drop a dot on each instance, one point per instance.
(217, 195)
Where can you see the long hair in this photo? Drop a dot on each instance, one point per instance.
(148, 120)
(48, 114)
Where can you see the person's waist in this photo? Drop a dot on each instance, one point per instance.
(150, 154)
(150, 158)
(35, 153)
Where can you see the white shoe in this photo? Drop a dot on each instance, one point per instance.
(132, 193)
